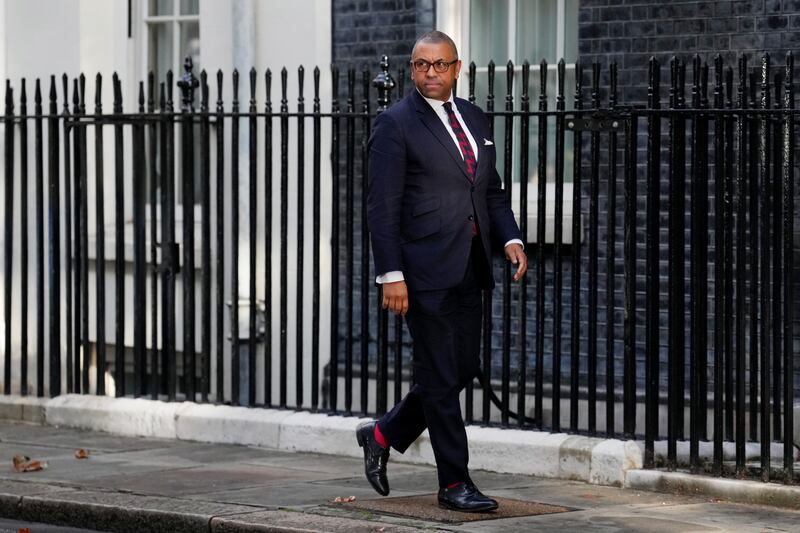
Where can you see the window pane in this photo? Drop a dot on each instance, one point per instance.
(160, 49)
(190, 44)
(192, 7)
(160, 7)
(533, 142)
(481, 93)
(488, 36)
(481, 100)
(537, 22)
(571, 30)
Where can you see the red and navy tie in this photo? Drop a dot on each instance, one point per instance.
(463, 141)
(466, 148)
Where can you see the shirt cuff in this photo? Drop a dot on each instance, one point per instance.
(515, 241)
(390, 277)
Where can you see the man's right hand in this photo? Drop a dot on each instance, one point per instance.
(395, 297)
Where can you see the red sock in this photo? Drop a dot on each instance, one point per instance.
(456, 484)
(379, 438)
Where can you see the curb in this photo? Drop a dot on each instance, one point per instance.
(553, 455)
(734, 490)
(131, 513)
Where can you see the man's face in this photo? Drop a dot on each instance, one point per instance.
(432, 84)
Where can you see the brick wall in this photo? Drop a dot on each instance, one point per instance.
(630, 31)
(364, 30)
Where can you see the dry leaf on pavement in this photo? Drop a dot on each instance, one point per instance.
(344, 499)
(82, 454)
(23, 463)
(23, 530)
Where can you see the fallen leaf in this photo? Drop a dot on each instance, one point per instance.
(82, 454)
(23, 463)
(23, 530)
(344, 499)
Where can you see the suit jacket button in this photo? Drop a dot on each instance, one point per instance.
(469, 217)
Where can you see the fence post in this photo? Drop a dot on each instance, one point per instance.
(187, 84)
(384, 83)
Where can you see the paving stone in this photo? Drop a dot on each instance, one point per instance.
(721, 514)
(65, 468)
(75, 438)
(199, 480)
(292, 495)
(284, 521)
(193, 454)
(582, 495)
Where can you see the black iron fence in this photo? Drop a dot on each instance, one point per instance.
(661, 286)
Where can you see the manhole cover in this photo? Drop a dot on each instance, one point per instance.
(426, 507)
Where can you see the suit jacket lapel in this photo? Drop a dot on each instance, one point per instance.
(432, 122)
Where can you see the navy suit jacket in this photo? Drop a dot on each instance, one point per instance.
(421, 205)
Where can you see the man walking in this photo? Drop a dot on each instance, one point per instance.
(435, 205)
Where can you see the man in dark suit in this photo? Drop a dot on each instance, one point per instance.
(435, 205)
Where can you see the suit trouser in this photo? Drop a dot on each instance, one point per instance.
(445, 327)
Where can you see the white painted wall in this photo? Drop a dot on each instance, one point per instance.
(43, 37)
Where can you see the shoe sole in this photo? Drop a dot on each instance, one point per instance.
(473, 510)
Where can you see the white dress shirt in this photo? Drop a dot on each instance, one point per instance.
(441, 112)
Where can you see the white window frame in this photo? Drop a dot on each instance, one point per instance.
(552, 65)
(453, 17)
(141, 40)
(176, 18)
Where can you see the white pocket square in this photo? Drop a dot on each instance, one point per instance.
(487, 142)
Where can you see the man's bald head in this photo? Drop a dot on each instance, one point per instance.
(436, 37)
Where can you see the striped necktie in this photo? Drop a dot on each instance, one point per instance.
(463, 141)
(466, 149)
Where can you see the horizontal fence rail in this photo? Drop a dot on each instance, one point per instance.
(220, 253)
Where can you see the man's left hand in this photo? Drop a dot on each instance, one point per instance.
(516, 255)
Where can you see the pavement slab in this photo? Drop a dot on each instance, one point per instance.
(182, 482)
(583, 495)
(77, 438)
(344, 466)
(295, 522)
(65, 467)
(295, 495)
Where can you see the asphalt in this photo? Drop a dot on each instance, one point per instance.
(142, 485)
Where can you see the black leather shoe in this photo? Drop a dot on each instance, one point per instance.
(375, 457)
(467, 498)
